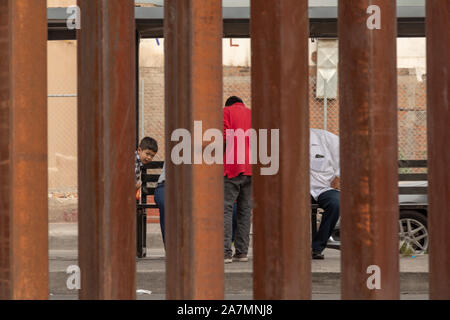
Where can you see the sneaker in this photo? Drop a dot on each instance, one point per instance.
(228, 260)
(240, 257)
(317, 255)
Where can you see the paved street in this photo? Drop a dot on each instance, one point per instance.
(326, 277)
(318, 296)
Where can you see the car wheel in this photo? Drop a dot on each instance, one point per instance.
(413, 233)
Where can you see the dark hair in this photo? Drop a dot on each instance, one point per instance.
(148, 143)
(232, 100)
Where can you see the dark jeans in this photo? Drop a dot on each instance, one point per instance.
(329, 202)
(237, 189)
(159, 200)
(234, 222)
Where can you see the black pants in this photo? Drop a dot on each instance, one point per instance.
(329, 202)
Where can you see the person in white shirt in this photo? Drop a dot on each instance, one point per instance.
(324, 162)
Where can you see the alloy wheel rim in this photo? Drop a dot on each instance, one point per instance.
(413, 236)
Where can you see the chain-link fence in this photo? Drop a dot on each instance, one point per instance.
(323, 111)
(324, 114)
(62, 142)
(62, 158)
(412, 135)
(237, 82)
(412, 115)
(62, 118)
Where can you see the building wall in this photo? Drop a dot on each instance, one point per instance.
(61, 3)
(62, 111)
(62, 115)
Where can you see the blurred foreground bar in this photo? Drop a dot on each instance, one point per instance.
(106, 145)
(23, 150)
(194, 193)
(438, 124)
(281, 214)
(368, 148)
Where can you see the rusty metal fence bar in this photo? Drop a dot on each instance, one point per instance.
(438, 62)
(368, 148)
(106, 133)
(282, 242)
(193, 76)
(194, 192)
(137, 45)
(23, 150)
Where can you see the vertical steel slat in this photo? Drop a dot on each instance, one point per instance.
(106, 145)
(138, 42)
(194, 193)
(368, 148)
(280, 91)
(23, 146)
(438, 127)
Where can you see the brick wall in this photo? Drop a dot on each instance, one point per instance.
(411, 119)
(236, 82)
(411, 106)
(153, 79)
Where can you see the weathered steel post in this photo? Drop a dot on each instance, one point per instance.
(438, 122)
(280, 91)
(138, 44)
(194, 193)
(106, 145)
(368, 148)
(23, 150)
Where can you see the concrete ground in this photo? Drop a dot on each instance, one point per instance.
(238, 275)
(315, 296)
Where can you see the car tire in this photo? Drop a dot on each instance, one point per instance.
(413, 232)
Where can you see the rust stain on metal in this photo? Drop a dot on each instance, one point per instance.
(368, 134)
(282, 242)
(106, 133)
(23, 146)
(438, 123)
(194, 193)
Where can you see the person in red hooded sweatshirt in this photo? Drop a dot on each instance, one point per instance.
(237, 120)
